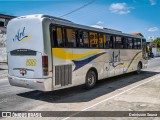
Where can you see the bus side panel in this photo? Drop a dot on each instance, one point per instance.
(80, 60)
(63, 69)
(90, 58)
(135, 58)
(121, 61)
(48, 49)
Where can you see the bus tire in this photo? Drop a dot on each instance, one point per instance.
(91, 79)
(139, 67)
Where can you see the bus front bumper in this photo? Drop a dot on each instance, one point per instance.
(37, 84)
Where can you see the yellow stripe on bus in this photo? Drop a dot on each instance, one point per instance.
(133, 62)
(29, 37)
(63, 54)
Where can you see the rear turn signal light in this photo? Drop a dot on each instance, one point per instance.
(45, 65)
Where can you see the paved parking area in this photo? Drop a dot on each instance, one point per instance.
(130, 92)
(143, 96)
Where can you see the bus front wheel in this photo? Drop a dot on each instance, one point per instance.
(91, 79)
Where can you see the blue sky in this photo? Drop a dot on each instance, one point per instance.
(125, 15)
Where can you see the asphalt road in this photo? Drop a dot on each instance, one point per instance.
(126, 92)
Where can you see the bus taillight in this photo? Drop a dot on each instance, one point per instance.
(45, 65)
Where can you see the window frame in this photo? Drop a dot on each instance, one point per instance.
(112, 36)
(138, 39)
(116, 42)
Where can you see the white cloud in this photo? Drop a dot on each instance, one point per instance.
(153, 2)
(120, 8)
(153, 29)
(100, 22)
(97, 26)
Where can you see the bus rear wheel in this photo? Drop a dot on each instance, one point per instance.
(139, 67)
(91, 79)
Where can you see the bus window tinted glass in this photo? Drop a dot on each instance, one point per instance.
(71, 39)
(106, 41)
(82, 39)
(135, 43)
(124, 43)
(60, 42)
(85, 37)
(138, 43)
(118, 42)
(112, 42)
(101, 40)
(93, 37)
(130, 43)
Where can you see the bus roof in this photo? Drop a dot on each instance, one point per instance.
(72, 24)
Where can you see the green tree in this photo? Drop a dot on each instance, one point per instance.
(156, 41)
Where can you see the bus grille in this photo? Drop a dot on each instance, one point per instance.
(22, 52)
(63, 75)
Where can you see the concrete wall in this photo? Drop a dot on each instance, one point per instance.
(156, 52)
(3, 54)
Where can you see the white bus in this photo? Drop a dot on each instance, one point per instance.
(49, 53)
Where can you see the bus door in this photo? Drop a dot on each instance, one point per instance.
(144, 52)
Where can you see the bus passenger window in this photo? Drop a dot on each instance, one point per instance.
(101, 40)
(85, 37)
(118, 43)
(81, 40)
(71, 37)
(106, 41)
(60, 42)
(93, 37)
(135, 43)
(124, 42)
(112, 42)
(53, 36)
(138, 43)
(130, 43)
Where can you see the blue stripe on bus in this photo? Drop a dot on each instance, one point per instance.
(81, 63)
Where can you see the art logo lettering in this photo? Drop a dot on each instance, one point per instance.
(21, 36)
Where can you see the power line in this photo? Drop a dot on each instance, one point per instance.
(78, 8)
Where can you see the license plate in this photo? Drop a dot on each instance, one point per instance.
(23, 71)
(31, 62)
